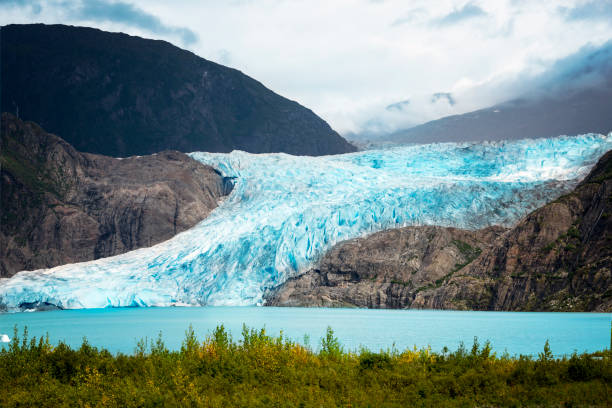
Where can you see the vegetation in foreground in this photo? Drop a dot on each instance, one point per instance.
(265, 371)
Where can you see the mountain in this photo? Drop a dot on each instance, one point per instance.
(118, 95)
(558, 258)
(60, 206)
(571, 113)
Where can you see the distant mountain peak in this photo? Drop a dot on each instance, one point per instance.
(120, 95)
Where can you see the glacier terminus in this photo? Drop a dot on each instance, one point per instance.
(286, 211)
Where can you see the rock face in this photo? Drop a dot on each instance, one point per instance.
(61, 206)
(385, 270)
(558, 258)
(118, 95)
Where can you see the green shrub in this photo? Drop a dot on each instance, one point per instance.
(330, 345)
(369, 360)
(263, 370)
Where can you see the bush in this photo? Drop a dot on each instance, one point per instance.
(369, 360)
(330, 345)
(262, 370)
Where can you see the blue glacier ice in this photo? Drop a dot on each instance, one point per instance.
(286, 211)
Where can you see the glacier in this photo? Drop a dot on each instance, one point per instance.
(286, 211)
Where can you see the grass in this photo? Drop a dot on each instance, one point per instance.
(399, 282)
(263, 371)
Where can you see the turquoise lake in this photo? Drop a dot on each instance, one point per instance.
(118, 329)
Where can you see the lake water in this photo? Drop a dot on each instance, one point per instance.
(519, 333)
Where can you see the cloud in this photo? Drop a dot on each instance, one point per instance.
(224, 57)
(398, 106)
(589, 67)
(592, 10)
(125, 13)
(349, 70)
(107, 11)
(34, 6)
(17, 3)
(409, 17)
(468, 11)
(447, 96)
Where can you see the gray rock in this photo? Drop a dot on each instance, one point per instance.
(385, 270)
(60, 206)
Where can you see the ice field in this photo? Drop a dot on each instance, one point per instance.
(286, 211)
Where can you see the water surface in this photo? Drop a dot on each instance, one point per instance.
(118, 329)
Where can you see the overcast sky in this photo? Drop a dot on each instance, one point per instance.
(363, 65)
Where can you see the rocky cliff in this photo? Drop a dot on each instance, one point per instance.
(558, 258)
(61, 206)
(386, 269)
(119, 95)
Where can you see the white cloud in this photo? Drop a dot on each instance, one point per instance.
(350, 59)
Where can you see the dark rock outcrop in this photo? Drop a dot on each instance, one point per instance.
(119, 95)
(558, 258)
(60, 206)
(385, 270)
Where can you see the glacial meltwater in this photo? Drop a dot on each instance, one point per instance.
(286, 211)
(118, 329)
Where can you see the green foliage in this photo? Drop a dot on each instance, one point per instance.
(330, 345)
(190, 344)
(468, 251)
(261, 371)
(570, 247)
(573, 233)
(399, 282)
(582, 368)
(369, 360)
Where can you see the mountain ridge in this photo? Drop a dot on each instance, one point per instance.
(119, 95)
(571, 113)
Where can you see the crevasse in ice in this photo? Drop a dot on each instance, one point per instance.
(286, 211)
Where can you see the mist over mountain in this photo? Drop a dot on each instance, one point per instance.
(583, 112)
(571, 97)
(119, 95)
